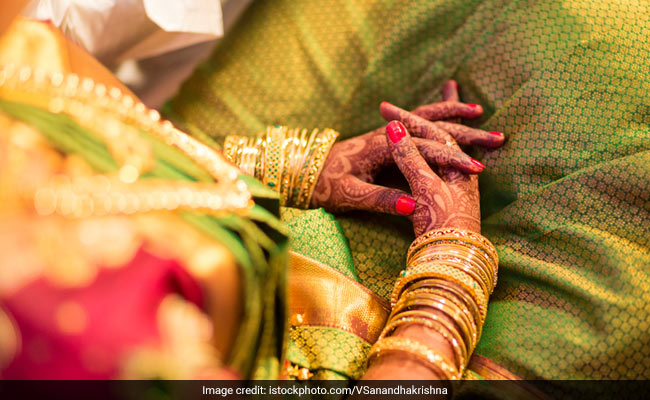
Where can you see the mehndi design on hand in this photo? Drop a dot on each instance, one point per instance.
(448, 200)
(347, 180)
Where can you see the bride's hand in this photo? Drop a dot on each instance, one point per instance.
(449, 198)
(346, 182)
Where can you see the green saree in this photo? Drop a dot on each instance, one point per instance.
(566, 200)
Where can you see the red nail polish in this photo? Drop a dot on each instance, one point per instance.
(478, 163)
(396, 131)
(496, 133)
(473, 105)
(405, 205)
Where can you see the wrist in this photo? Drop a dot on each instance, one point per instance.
(287, 161)
(440, 300)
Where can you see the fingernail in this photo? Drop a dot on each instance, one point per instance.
(496, 134)
(405, 205)
(455, 84)
(478, 163)
(473, 105)
(396, 131)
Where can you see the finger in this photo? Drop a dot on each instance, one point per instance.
(448, 109)
(418, 126)
(445, 156)
(469, 136)
(366, 196)
(450, 91)
(434, 153)
(413, 166)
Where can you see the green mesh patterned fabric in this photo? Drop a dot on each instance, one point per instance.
(318, 235)
(566, 200)
(329, 353)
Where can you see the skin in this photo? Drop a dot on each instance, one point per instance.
(449, 198)
(347, 180)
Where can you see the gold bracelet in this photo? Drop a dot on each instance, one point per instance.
(294, 151)
(471, 337)
(303, 146)
(459, 234)
(443, 321)
(451, 271)
(461, 249)
(274, 156)
(287, 161)
(453, 252)
(441, 264)
(230, 147)
(423, 353)
(324, 142)
(441, 302)
(285, 175)
(464, 281)
(464, 308)
(458, 348)
(453, 289)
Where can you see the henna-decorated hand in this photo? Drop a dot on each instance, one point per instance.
(447, 199)
(450, 199)
(346, 182)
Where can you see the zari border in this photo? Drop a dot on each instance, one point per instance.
(321, 296)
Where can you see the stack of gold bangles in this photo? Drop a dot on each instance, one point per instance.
(288, 161)
(452, 272)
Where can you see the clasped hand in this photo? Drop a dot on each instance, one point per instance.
(448, 198)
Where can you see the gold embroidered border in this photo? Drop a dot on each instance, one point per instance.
(321, 296)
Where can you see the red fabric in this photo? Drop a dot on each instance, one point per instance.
(120, 309)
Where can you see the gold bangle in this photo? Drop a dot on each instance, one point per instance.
(290, 161)
(274, 157)
(465, 309)
(423, 353)
(461, 248)
(459, 319)
(461, 253)
(285, 174)
(441, 302)
(230, 147)
(459, 350)
(249, 157)
(301, 156)
(437, 265)
(459, 234)
(460, 279)
(443, 321)
(292, 165)
(246, 153)
(324, 143)
(453, 289)
(451, 270)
